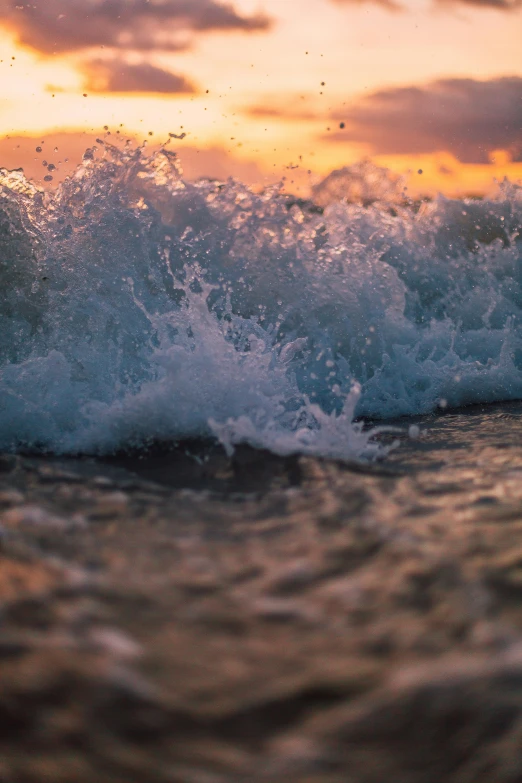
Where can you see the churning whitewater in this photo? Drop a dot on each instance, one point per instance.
(136, 307)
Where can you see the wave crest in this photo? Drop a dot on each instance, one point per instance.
(135, 306)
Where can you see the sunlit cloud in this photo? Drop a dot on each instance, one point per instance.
(57, 26)
(272, 108)
(118, 76)
(392, 5)
(499, 5)
(63, 152)
(466, 117)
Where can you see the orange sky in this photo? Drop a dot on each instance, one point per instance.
(435, 85)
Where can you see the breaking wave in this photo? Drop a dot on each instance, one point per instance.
(137, 307)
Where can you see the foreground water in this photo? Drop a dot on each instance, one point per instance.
(194, 617)
(136, 308)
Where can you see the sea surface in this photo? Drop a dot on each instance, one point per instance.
(139, 309)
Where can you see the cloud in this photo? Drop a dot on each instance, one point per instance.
(294, 108)
(497, 5)
(64, 151)
(118, 76)
(466, 117)
(51, 26)
(392, 5)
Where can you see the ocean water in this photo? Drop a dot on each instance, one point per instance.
(138, 308)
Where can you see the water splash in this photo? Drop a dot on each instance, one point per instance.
(137, 307)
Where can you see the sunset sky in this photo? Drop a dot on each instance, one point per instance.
(262, 86)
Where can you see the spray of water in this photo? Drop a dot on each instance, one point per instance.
(137, 307)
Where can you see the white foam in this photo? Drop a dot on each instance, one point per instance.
(135, 307)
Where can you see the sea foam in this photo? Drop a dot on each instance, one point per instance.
(136, 307)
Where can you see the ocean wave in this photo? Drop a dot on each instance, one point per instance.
(136, 307)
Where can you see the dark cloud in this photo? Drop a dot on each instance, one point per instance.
(392, 5)
(68, 25)
(294, 109)
(465, 117)
(498, 5)
(118, 76)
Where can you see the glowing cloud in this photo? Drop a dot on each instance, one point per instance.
(51, 26)
(497, 5)
(466, 117)
(118, 76)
